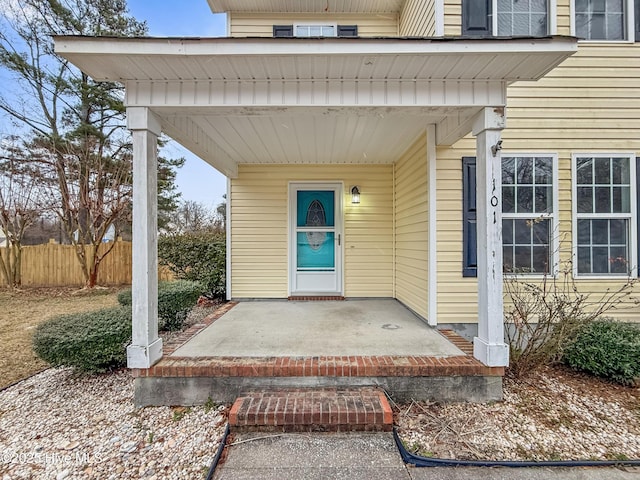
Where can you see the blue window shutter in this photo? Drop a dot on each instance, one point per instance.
(347, 30)
(469, 243)
(283, 31)
(476, 18)
(637, 20)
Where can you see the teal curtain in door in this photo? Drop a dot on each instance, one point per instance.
(316, 247)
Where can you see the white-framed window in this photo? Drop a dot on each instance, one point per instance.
(315, 30)
(521, 17)
(604, 214)
(509, 17)
(603, 20)
(529, 213)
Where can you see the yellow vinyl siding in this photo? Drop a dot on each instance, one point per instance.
(563, 17)
(452, 18)
(412, 227)
(589, 104)
(418, 19)
(260, 229)
(261, 25)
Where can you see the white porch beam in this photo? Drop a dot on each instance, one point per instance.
(489, 346)
(317, 93)
(188, 133)
(146, 346)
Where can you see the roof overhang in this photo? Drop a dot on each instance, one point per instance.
(334, 100)
(307, 6)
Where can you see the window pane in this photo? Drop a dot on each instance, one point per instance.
(508, 169)
(584, 260)
(507, 258)
(521, 24)
(621, 173)
(600, 232)
(603, 171)
(522, 232)
(520, 5)
(540, 259)
(603, 199)
(618, 231)
(505, 27)
(582, 26)
(600, 260)
(543, 199)
(598, 6)
(508, 200)
(618, 260)
(544, 173)
(522, 259)
(538, 6)
(597, 28)
(525, 171)
(584, 232)
(540, 234)
(507, 231)
(584, 171)
(585, 199)
(620, 199)
(525, 200)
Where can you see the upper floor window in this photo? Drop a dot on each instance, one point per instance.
(315, 30)
(608, 20)
(522, 17)
(506, 17)
(600, 19)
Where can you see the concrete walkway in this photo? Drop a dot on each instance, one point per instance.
(352, 327)
(353, 456)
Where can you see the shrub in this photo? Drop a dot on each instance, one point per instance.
(175, 299)
(608, 349)
(198, 257)
(91, 341)
(543, 316)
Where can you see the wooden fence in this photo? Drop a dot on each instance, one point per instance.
(54, 265)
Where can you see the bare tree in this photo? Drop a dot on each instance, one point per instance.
(193, 217)
(77, 139)
(19, 209)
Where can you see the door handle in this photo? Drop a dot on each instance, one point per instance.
(338, 239)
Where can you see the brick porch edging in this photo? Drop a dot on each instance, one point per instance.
(179, 340)
(318, 366)
(335, 366)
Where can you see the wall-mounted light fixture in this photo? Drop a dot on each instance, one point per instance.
(355, 194)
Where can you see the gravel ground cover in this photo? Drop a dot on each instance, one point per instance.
(59, 425)
(554, 414)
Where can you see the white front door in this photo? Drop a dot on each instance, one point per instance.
(315, 233)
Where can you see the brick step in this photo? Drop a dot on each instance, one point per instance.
(312, 409)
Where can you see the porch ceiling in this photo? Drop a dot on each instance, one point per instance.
(328, 100)
(306, 6)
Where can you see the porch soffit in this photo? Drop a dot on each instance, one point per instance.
(236, 101)
(307, 6)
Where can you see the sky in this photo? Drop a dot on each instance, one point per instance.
(197, 180)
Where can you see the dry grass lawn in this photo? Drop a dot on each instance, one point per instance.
(21, 311)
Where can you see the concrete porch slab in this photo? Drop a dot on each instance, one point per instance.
(353, 327)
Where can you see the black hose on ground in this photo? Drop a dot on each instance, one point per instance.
(216, 459)
(418, 461)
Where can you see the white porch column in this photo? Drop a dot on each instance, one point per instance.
(146, 346)
(489, 346)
